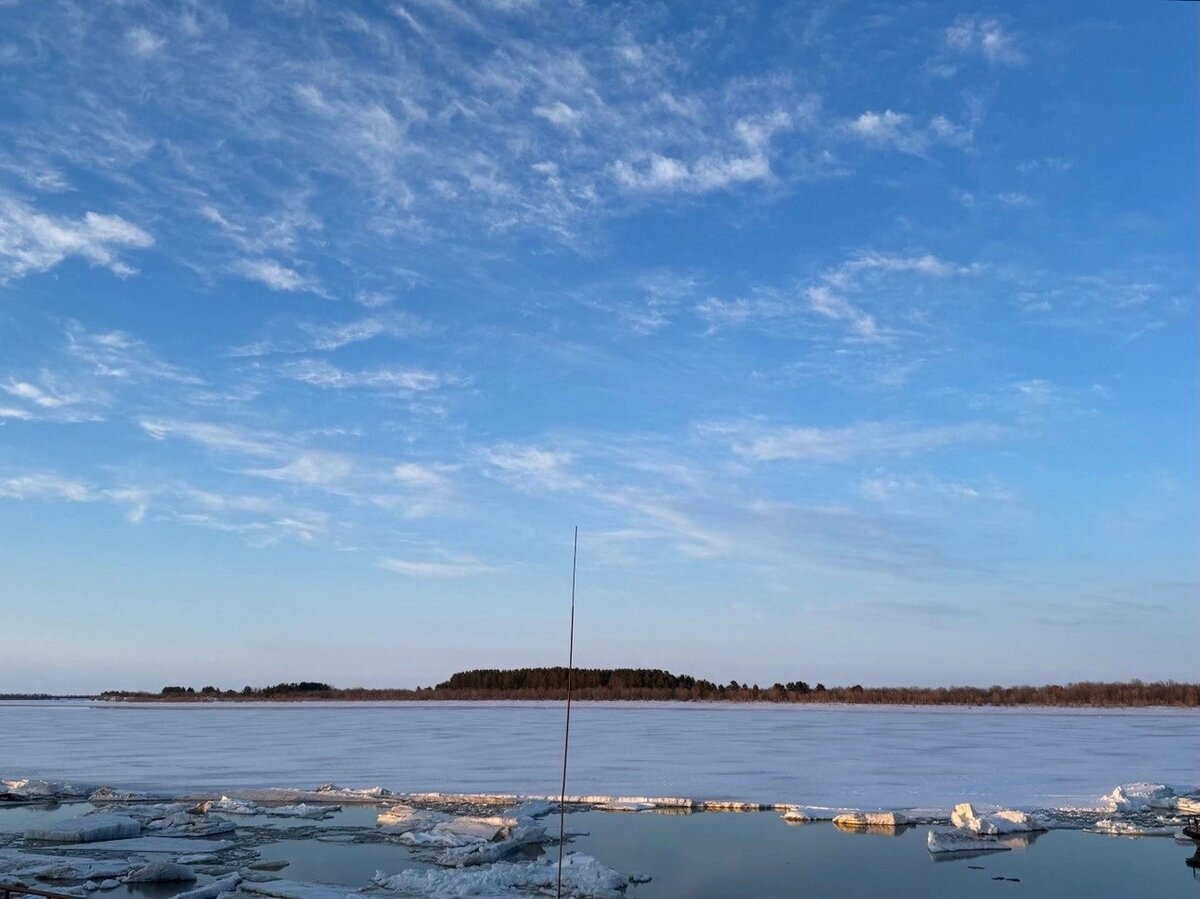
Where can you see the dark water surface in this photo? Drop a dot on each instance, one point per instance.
(720, 855)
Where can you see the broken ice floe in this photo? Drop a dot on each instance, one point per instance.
(954, 841)
(964, 817)
(173, 845)
(28, 790)
(804, 814)
(212, 890)
(86, 829)
(863, 820)
(60, 867)
(108, 794)
(296, 889)
(233, 806)
(582, 877)
(161, 872)
(1119, 828)
(1139, 797)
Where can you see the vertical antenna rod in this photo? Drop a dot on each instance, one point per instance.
(562, 799)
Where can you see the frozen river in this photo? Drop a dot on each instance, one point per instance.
(890, 757)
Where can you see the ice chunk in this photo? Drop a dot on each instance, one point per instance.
(86, 829)
(109, 884)
(583, 878)
(951, 841)
(59, 867)
(964, 817)
(533, 808)
(301, 810)
(486, 853)
(24, 790)
(332, 791)
(1187, 805)
(1116, 827)
(870, 819)
(403, 818)
(296, 889)
(462, 831)
(269, 864)
(1138, 797)
(730, 805)
(174, 845)
(802, 813)
(212, 890)
(108, 794)
(162, 872)
(231, 806)
(201, 858)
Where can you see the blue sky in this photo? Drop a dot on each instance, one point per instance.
(859, 340)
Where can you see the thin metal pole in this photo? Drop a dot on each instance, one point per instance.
(562, 798)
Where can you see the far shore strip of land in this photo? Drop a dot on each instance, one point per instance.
(656, 685)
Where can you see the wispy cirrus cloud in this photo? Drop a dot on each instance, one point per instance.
(275, 275)
(33, 241)
(764, 443)
(446, 565)
(320, 373)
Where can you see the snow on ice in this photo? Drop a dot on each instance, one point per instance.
(964, 817)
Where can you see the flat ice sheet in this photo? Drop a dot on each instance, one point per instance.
(845, 757)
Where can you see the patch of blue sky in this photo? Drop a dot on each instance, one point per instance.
(860, 342)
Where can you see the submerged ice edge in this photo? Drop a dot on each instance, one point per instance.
(1132, 798)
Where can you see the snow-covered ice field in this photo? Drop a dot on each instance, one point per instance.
(861, 757)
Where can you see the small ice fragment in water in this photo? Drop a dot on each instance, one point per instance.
(950, 841)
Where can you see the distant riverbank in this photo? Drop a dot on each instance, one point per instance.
(653, 685)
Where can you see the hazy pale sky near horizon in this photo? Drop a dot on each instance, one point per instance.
(859, 340)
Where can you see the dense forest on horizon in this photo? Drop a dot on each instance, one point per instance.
(652, 684)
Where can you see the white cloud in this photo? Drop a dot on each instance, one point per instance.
(275, 275)
(222, 438)
(654, 172)
(530, 466)
(759, 443)
(144, 42)
(900, 131)
(560, 114)
(985, 36)
(451, 566)
(413, 474)
(825, 302)
(324, 374)
(310, 467)
(31, 241)
(39, 396)
(120, 356)
(46, 486)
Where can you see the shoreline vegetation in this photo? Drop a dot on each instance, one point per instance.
(649, 684)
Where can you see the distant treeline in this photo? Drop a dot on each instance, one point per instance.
(642, 684)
